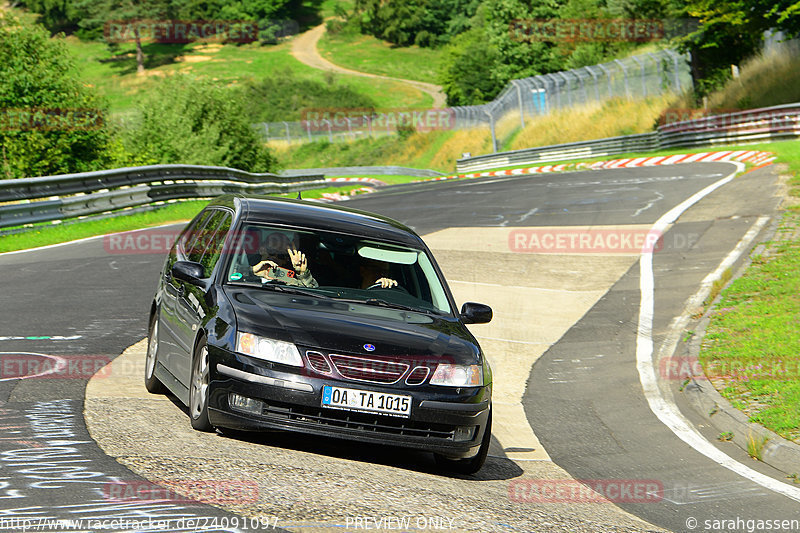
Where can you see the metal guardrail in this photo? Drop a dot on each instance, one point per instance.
(110, 190)
(578, 150)
(754, 125)
(390, 170)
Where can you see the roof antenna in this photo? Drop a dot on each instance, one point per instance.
(299, 195)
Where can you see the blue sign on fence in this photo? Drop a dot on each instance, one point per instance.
(539, 101)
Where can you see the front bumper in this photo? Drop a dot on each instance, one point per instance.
(294, 402)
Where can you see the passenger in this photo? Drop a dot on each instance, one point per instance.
(271, 262)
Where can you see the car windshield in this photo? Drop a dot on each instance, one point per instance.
(331, 265)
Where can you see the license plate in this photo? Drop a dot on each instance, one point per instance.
(366, 401)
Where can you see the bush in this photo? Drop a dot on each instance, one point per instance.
(192, 121)
(284, 96)
(50, 122)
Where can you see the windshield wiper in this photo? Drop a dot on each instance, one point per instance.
(383, 303)
(282, 286)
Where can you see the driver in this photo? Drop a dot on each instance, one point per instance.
(279, 259)
(375, 274)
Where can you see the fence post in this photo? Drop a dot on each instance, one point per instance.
(266, 132)
(625, 74)
(519, 99)
(491, 126)
(644, 76)
(556, 89)
(330, 133)
(288, 138)
(583, 87)
(608, 77)
(676, 65)
(308, 129)
(566, 87)
(596, 83)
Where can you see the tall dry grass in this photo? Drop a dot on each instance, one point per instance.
(594, 121)
(766, 80)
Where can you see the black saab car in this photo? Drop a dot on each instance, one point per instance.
(284, 314)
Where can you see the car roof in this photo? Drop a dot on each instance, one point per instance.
(314, 215)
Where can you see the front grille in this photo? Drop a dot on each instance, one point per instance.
(418, 375)
(318, 362)
(362, 422)
(371, 370)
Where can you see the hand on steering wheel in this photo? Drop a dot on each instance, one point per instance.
(383, 283)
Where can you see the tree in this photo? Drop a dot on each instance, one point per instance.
(420, 22)
(95, 14)
(467, 73)
(50, 122)
(731, 31)
(195, 121)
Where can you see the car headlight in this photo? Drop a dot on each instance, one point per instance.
(458, 376)
(281, 352)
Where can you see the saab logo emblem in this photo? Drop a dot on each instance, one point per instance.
(369, 347)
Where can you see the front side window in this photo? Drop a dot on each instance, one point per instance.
(337, 266)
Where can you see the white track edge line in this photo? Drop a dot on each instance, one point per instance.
(667, 412)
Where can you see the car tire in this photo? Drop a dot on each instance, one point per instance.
(473, 464)
(198, 390)
(151, 382)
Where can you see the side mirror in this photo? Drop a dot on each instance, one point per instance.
(472, 313)
(189, 272)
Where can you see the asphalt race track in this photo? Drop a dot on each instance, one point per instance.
(84, 303)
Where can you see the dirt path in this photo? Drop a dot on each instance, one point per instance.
(304, 49)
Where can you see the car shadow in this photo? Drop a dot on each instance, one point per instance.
(495, 469)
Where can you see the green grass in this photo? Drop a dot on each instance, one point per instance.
(752, 344)
(365, 53)
(114, 73)
(45, 234)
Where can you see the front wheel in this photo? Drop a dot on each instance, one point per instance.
(198, 391)
(473, 464)
(151, 382)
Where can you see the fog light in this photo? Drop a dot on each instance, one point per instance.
(245, 404)
(463, 433)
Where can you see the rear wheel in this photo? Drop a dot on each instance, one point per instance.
(198, 391)
(472, 464)
(151, 382)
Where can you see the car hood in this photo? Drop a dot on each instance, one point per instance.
(349, 328)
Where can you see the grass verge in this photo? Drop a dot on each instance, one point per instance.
(751, 350)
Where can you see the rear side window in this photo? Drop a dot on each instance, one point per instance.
(187, 239)
(200, 237)
(215, 242)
